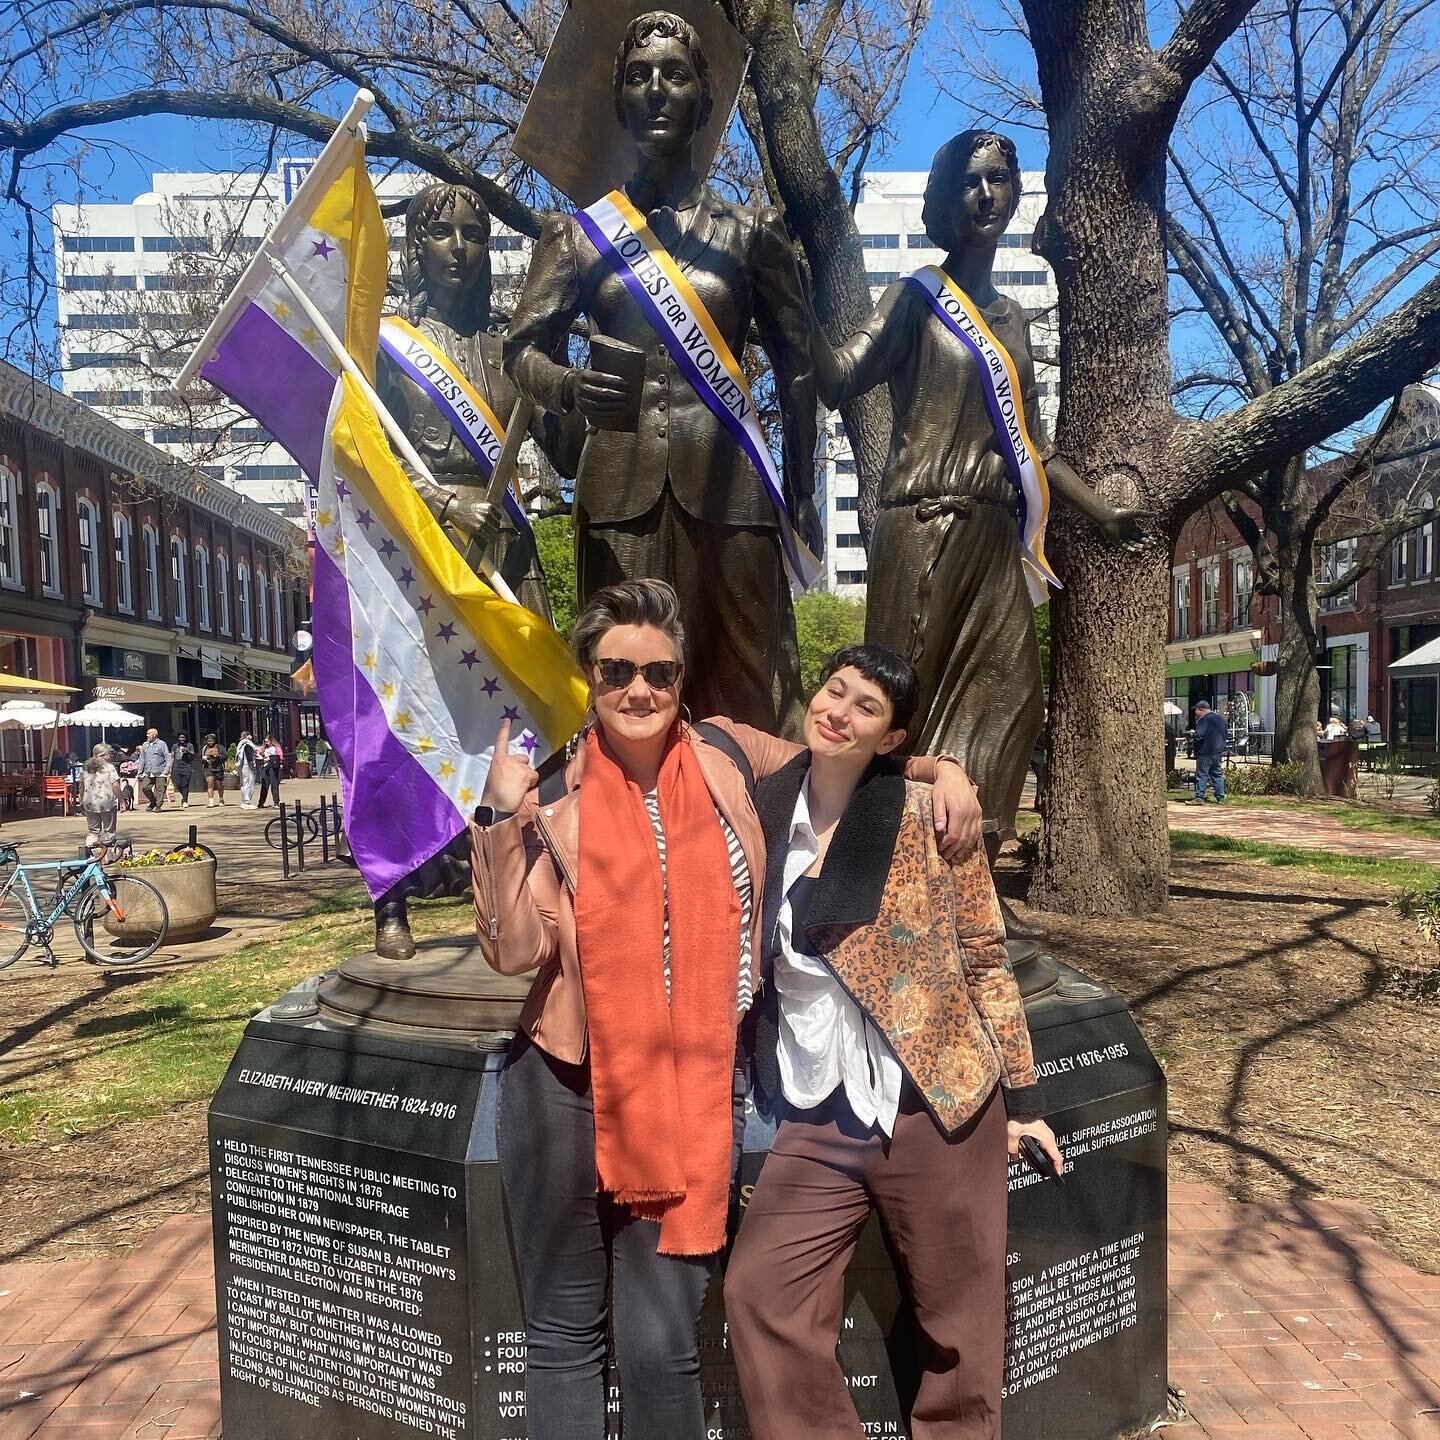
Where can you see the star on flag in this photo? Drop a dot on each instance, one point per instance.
(492, 682)
(323, 248)
(446, 632)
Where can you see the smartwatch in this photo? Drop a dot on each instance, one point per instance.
(488, 815)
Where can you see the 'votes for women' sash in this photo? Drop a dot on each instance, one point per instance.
(481, 433)
(619, 232)
(1001, 388)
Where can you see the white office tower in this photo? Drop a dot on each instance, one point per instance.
(137, 285)
(888, 218)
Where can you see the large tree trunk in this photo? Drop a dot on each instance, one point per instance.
(1106, 848)
(1297, 681)
(1105, 843)
(816, 211)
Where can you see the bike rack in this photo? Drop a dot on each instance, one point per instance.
(330, 827)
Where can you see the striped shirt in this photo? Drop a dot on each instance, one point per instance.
(740, 878)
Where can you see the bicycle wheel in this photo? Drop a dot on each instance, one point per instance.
(121, 920)
(14, 926)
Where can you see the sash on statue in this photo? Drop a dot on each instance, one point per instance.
(480, 431)
(619, 232)
(1001, 387)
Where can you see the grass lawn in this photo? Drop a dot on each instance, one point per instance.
(159, 1042)
(1378, 869)
(1342, 812)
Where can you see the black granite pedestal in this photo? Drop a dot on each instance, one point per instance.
(366, 1289)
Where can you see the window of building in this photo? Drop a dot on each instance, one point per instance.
(847, 502)
(1181, 606)
(850, 541)
(9, 524)
(507, 242)
(883, 277)
(242, 594)
(1242, 583)
(269, 472)
(1021, 277)
(170, 244)
(880, 242)
(845, 465)
(108, 397)
(919, 240)
(213, 472)
(177, 282)
(1425, 540)
(1400, 561)
(1332, 562)
(94, 360)
(124, 574)
(87, 517)
(99, 282)
(185, 435)
(1209, 597)
(262, 606)
(152, 571)
(222, 590)
(250, 435)
(181, 579)
(849, 577)
(47, 513)
(98, 244)
(102, 320)
(279, 602)
(1016, 242)
(202, 585)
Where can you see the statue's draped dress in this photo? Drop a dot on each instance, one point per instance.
(946, 584)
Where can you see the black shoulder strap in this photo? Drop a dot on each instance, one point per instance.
(722, 740)
(552, 776)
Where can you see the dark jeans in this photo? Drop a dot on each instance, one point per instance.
(269, 785)
(152, 787)
(571, 1247)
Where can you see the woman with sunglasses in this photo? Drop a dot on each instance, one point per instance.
(621, 1101)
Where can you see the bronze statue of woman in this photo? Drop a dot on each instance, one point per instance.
(675, 497)
(947, 570)
(447, 277)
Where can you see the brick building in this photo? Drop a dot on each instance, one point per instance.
(1222, 635)
(134, 578)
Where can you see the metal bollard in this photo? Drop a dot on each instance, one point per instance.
(194, 836)
(284, 845)
(299, 837)
(324, 835)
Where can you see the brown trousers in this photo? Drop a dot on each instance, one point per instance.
(943, 1202)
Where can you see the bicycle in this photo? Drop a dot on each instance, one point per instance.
(131, 911)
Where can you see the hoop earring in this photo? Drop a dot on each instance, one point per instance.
(685, 719)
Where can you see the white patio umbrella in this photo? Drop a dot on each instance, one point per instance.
(27, 715)
(1171, 708)
(105, 713)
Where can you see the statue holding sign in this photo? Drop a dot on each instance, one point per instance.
(671, 275)
(441, 377)
(957, 559)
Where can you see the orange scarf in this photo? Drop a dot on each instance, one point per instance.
(660, 1072)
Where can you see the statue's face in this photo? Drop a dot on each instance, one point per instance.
(453, 253)
(661, 96)
(986, 198)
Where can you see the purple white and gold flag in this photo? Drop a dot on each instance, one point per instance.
(418, 660)
(262, 350)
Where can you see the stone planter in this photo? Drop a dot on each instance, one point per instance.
(232, 779)
(189, 894)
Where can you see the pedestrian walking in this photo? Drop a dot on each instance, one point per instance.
(127, 763)
(182, 768)
(154, 769)
(100, 800)
(1211, 737)
(247, 757)
(212, 756)
(271, 759)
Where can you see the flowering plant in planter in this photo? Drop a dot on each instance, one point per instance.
(181, 855)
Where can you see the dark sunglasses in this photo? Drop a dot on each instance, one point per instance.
(620, 674)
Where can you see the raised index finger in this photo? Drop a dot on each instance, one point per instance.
(502, 739)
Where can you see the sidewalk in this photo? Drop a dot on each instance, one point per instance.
(1306, 830)
(1285, 1324)
(254, 897)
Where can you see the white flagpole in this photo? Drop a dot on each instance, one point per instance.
(392, 427)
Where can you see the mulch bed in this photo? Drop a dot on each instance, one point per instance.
(1296, 1067)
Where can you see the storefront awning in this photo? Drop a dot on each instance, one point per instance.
(146, 692)
(1424, 661)
(1210, 665)
(21, 685)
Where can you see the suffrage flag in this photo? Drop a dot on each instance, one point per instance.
(262, 349)
(418, 661)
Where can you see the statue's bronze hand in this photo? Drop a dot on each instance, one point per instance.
(476, 518)
(599, 397)
(812, 532)
(1124, 527)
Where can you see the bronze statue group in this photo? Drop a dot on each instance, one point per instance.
(711, 912)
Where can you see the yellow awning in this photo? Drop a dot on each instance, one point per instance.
(20, 683)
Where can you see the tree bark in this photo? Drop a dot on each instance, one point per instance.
(1106, 846)
(817, 213)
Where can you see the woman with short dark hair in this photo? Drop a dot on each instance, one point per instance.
(631, 896)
